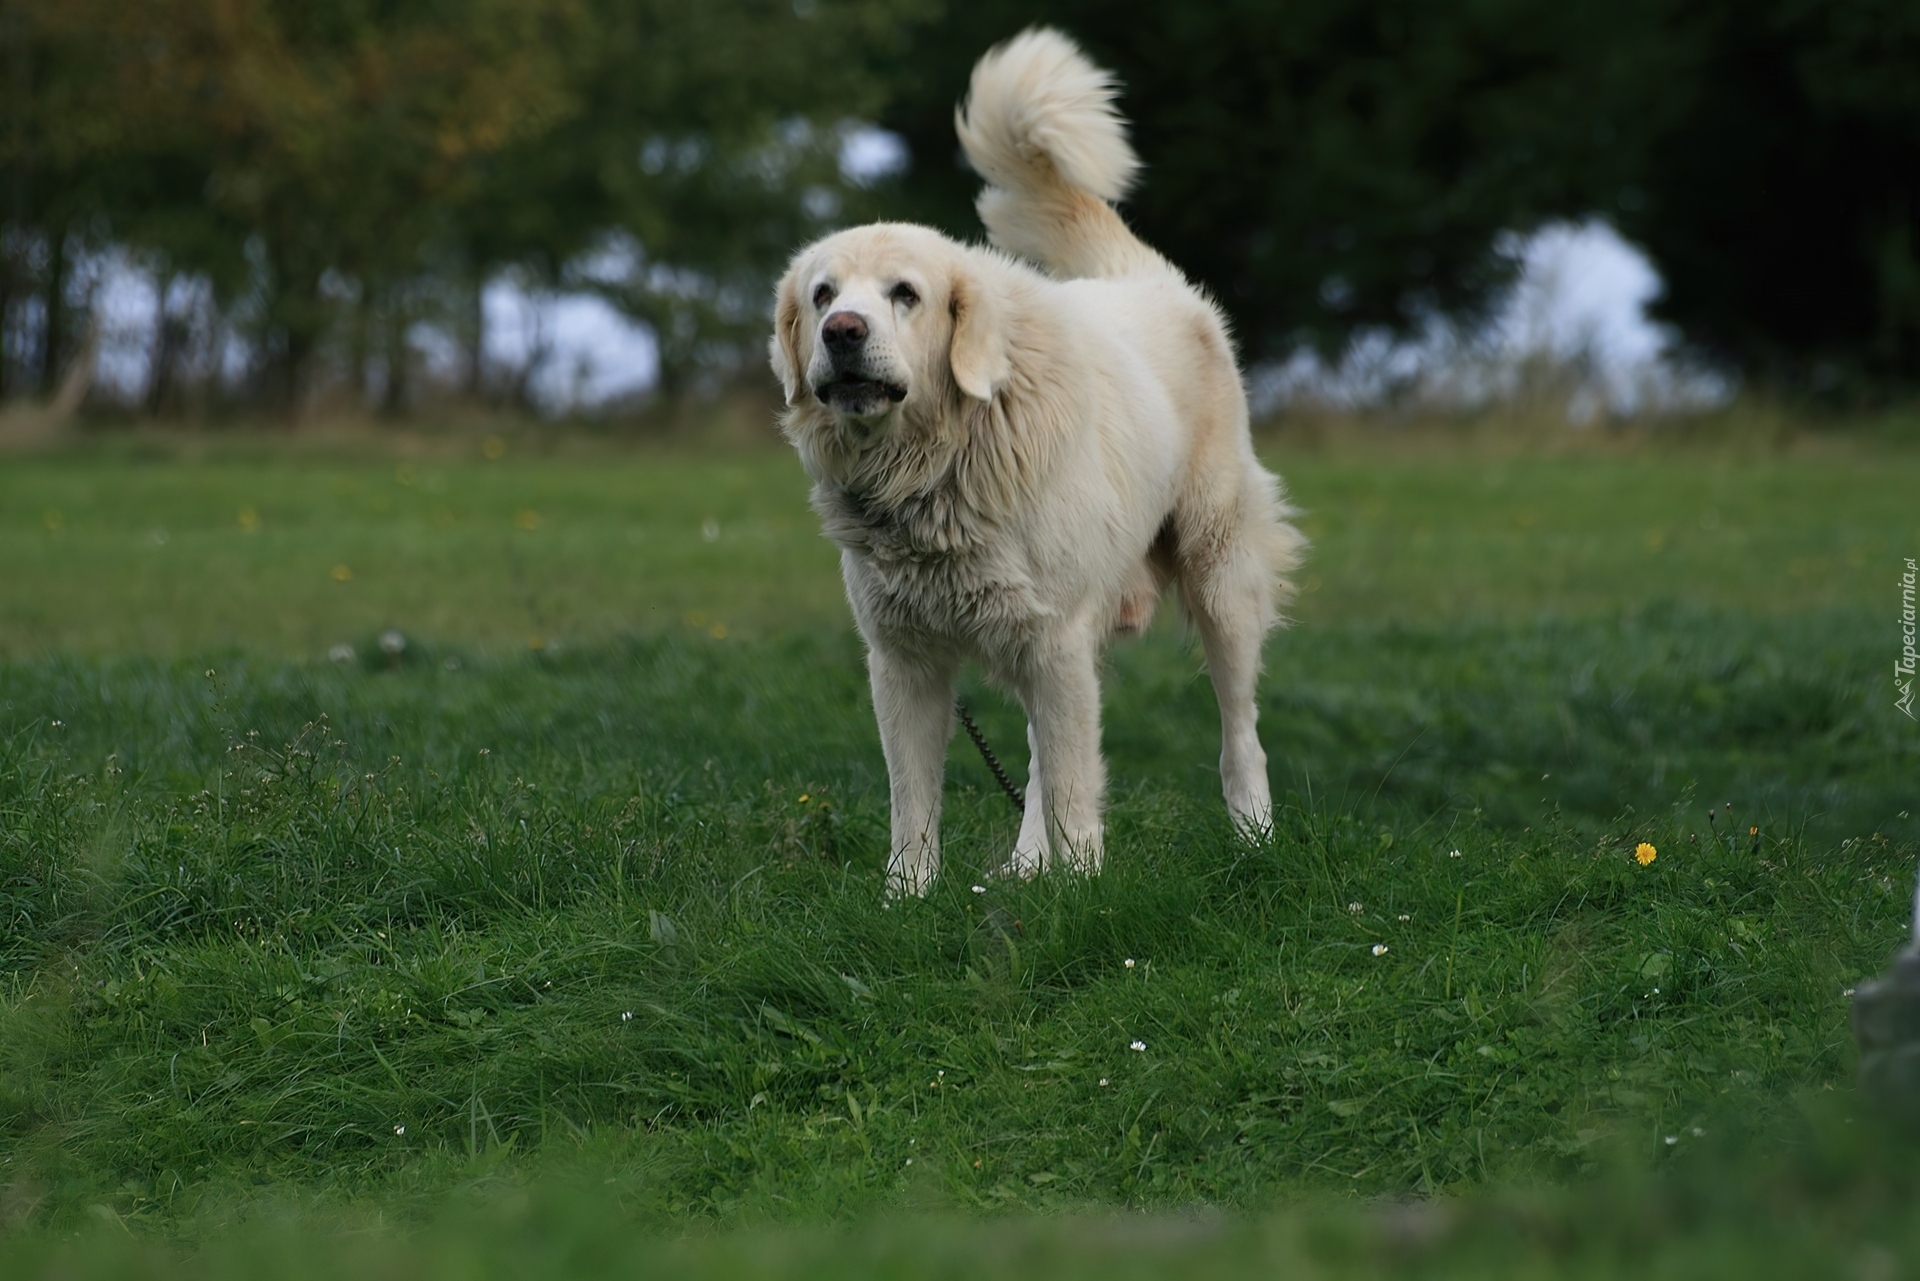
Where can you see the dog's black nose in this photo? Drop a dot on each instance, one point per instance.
(843, 332)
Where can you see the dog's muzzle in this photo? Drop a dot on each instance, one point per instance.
(853, 387)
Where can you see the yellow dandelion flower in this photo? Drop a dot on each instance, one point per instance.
(340, 574)
(1644, 854)
(718, 631)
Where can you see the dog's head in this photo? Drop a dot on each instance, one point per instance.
(884, 318)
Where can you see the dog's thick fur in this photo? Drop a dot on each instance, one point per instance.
(1017, 449)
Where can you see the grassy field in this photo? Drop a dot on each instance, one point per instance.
(285, 554)
(564, 920)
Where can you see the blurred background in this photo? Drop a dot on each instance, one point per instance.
(255, 208)
(441, 814)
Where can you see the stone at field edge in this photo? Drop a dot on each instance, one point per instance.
(1886, 1023)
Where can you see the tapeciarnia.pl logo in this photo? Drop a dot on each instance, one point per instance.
(1904, 665)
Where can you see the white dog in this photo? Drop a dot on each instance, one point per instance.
(1017, 450)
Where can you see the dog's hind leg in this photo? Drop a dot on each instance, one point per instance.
(913, 703)
(1232, 640)
(1224, 609)
(1232, 567)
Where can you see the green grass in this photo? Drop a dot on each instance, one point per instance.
(112, 556)
(1824, 1197)
(526, 948)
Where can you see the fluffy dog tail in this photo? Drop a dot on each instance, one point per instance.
(1039, 124)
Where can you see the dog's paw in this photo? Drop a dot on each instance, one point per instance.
(1249, 799)
(1254, 821)
(1084, 858)
(910, 878)
(1025, 863)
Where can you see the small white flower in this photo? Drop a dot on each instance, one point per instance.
(1672, 1139)
(1404, 916)
(1454, 854)
(979, 889)
(1103, 1082)
(1129, 962)
(1847, 992)
(1354, 908)
(399, 1129)
(909, 1160)
(342, 653)
(1379, 949)
(626, 1016)
(393, 641)
(1138, 1047)
(1699, 1133)
(941, 1072)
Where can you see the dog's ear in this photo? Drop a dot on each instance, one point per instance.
(978, 355)
(783, 349)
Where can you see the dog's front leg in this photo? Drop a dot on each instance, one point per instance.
(1030, 847)
(913, 701)
(1063, 698)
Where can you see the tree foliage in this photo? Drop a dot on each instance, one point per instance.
(1320, 164)
(328, 176)
(1323, 165)
(1783, 202)
(337, 171)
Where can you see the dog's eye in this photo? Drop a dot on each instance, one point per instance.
(822, 295)
(904, 294)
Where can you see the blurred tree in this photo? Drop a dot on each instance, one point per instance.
(275, 148)
(1321, 164)
(61, 163)
(1783, 203)
(704, 151)
(337, 171)
(342, 139)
